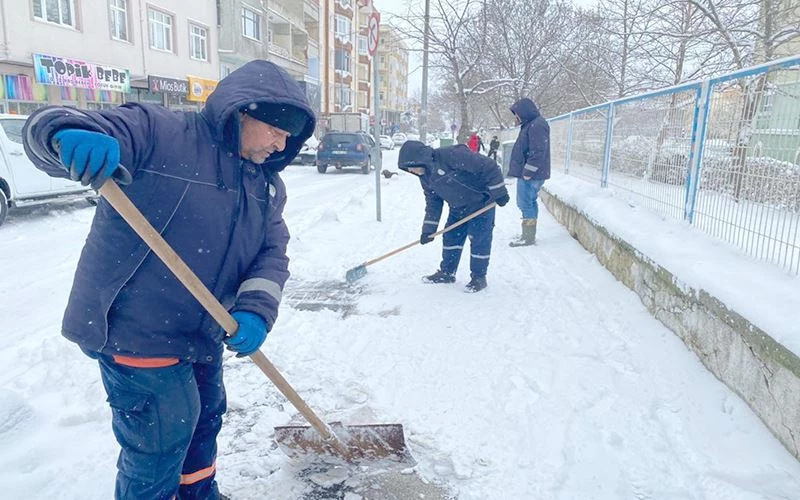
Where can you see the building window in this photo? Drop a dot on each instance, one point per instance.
(55, 11)
(343, 96)
(343, 28)
(342, 60)
(198, 42)
(346, 3)
(160, 30)
(362, 45)
(119, 19)
(251, 24)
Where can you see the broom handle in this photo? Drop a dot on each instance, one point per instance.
(122, 204)
(437, 233)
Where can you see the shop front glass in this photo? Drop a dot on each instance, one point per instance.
(20, 95)
(102, 99)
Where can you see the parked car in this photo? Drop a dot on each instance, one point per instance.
(20, 182)
(308, 153)
(386, 142)
(399, 138)
(348, 149)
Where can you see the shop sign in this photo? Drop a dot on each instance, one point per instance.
(167, 85)
(200, 88)
(66, 72)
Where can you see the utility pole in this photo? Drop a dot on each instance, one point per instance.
(423, 117)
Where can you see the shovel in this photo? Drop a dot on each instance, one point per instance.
(360, 271)
(357, 444)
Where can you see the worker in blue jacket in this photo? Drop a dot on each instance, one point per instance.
(467, 181)
(209, 183)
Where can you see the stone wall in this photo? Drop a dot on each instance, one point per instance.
(760, 370)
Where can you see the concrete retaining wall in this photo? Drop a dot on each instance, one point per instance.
(761, 371)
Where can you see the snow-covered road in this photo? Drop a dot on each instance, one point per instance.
(554, 383)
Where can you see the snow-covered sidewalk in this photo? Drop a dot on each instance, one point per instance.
(555, 382)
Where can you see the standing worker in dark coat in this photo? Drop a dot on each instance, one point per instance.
(530, 164)
(467, 182)
(209, 183)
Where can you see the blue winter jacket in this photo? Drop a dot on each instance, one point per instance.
(530, 156)
(467, 181)
(222, 214)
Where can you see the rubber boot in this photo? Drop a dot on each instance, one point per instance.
(528, 234)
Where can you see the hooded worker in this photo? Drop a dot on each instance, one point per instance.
(467, 181)
(209, 183)
(530, 164)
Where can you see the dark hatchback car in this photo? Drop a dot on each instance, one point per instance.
(348, 149)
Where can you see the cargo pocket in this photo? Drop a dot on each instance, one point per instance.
(136, 428)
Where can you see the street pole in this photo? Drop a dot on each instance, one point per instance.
(376, 132)
(423, 126)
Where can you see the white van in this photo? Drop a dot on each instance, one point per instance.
(20, 182)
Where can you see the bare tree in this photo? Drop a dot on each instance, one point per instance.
(752, 32)
(457, 40)
(627, 28)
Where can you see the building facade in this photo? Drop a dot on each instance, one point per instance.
(100, 53)
(393, 80)
(286, 32)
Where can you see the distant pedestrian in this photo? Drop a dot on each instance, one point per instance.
(467, 182)
(494, 145)
(475, 143)
(530, 164)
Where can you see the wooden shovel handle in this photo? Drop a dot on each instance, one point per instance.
(122, 204)
(437, 233)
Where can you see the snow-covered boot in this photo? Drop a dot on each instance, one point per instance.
(439, 277)
(528, 234)
(476, 284)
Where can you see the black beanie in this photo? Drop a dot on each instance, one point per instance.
(284, 116)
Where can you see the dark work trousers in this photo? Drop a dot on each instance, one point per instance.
(166, 420)
(479, 231)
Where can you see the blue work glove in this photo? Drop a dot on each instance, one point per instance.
(425, 238)
(249, 336)
(503, 200)
(90, 157)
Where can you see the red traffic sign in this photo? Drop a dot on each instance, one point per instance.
(373, 29)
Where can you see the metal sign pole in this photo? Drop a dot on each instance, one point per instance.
(376, 133)
(373, 29)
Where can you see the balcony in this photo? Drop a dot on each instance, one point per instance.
(311, 10)
(290, 10)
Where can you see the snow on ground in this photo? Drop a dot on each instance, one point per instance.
(554, 383)
(759, 291)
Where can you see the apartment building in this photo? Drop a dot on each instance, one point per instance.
(392, 57)
(286, 32)
(346, 79)
(99, 53)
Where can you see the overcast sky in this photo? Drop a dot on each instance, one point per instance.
(400, 7)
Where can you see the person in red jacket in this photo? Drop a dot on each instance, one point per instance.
(475, 144)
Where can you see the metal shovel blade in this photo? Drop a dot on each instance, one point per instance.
(365, 443)
(356, 273)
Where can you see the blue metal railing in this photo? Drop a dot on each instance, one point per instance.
(722, 154)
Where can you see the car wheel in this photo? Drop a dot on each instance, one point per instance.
(322, 168)
(3, 206)
(365, 168)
